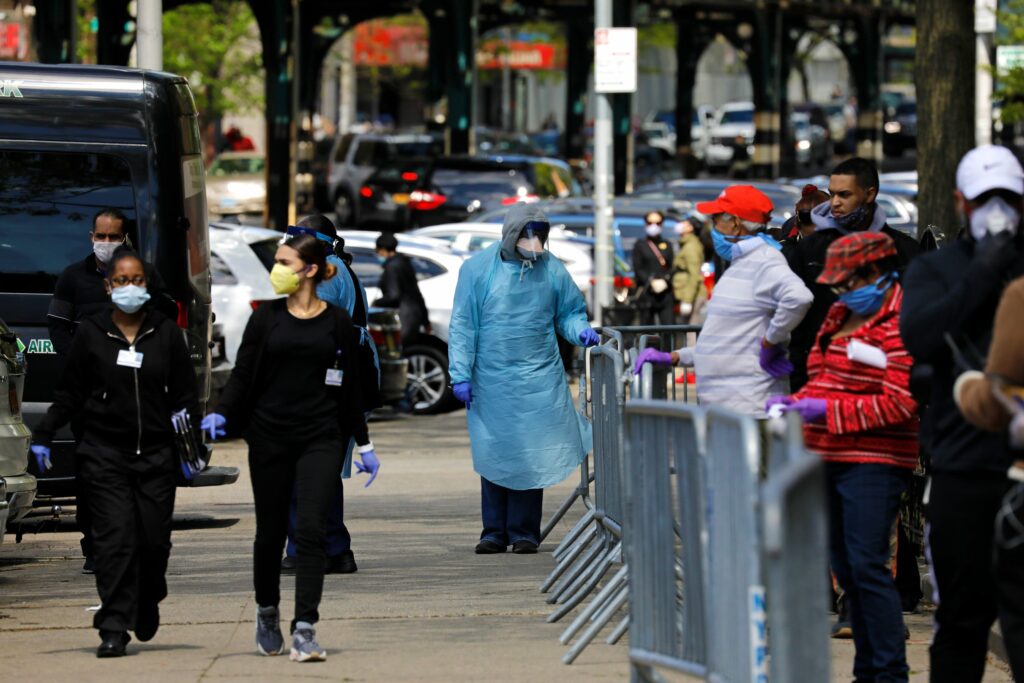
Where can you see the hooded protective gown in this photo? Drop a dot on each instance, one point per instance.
(523, 428)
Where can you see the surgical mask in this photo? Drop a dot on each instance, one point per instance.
(852, 220)
(653, 229)
(129, 298)
(283, 279)
(382, 260)
(724, 247)
(866, 300)
(105, 250)
(993, 217)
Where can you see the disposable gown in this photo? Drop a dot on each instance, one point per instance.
(523, 428)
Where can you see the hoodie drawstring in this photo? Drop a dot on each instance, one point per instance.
(527, 265)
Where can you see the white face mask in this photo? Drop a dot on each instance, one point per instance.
(652, 230)
(993, 217)
(104, 250)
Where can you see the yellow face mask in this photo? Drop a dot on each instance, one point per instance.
(283, 279)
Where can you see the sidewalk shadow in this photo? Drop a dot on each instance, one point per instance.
(193, 522)
(135, 648)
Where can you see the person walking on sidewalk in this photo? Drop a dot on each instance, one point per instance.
(128, 370)
(740, 355)
(652, 265)
(510, 302)
(952, 295)
(687, 279)
(861, 418)
(400, 289)
(295, 396)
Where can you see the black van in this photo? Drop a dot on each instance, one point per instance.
(74, 139)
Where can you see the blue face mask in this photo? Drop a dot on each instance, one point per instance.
(129, 298)
(723, 247)
(382, 260)
(852, 220)
(866, 300)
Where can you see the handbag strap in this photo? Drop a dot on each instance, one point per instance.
(657, 253)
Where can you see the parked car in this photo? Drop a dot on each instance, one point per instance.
(79, 138)
(700, 128)
(4, 509)
(236, 185)
(810, 140)
(355, 156)
(899, 133)
(784, 196)
(437, 267)
(384, 197)
(836, 126)
(240, 263)
(19, 486)
(735, 120)
(496, 142)
(563, 245)
(457, 188)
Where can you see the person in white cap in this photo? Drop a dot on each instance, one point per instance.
(950, 299)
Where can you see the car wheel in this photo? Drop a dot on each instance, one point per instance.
(428, 390)
(342, 209)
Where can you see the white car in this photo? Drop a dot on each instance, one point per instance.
(735, 120)
(474, 237)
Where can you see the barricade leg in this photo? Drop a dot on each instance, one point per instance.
(586, 589)
(619, 631)
(617, 602)
(582, 564)
(573, 534)
(591, 610)
(568, 560)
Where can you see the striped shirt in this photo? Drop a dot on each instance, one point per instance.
(871, 415)
(757, 297)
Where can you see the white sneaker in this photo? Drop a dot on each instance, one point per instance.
(304, 645)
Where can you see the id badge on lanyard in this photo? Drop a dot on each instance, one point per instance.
(335, 376)
(129, 358)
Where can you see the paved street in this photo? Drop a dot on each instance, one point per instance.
(421, 608)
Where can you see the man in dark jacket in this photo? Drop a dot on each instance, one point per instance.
(954, 292)
(652, 266)
(853, 187)
(400, 289)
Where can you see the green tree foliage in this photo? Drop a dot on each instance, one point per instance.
(1011, 81)
(216, 47)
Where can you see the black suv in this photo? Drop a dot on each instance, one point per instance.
(74, 139)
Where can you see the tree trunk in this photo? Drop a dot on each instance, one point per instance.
(945, 73)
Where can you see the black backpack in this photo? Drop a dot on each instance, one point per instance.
(368, 371)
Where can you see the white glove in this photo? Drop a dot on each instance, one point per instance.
(658, 285)
(685, 309)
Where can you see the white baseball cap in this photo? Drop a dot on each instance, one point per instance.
(989, 167)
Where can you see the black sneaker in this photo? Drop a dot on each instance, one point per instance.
(488, 547)
(88, 567)
(113, 644)
(342, 564)
(524, 548)
(843, 628)
(288, 565)
(147, 621)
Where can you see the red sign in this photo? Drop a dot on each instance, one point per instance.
(10, 40)
(496, 54)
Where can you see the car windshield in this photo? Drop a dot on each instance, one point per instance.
(47, 204)
(906, 109)
(470, 184)
(419, 148)
(235, 166)
(738, 116)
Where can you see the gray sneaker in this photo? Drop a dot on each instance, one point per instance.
(304, 645)
(269, 640)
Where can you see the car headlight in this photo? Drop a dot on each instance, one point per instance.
(803, 144)
(892, 127)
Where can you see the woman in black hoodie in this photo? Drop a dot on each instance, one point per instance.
(128, 370)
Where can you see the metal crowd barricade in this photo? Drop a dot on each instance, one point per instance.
(634, 338)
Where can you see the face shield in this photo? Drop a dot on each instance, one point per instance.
(533, 239)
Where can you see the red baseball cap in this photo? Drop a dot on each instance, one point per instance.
(743, 201)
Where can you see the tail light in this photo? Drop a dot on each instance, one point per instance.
(182, 314)
(421, 200)
(524, 198)
(410, 177)
(390, 340)
(377, 335)
(365, 191)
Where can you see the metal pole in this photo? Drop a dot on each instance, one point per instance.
(347, 90)
(293, 128)
(149, 43)
(984, 27)
(604, 177)
(506, 81)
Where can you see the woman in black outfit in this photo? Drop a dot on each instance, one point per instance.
(127, 371)
(294, 395)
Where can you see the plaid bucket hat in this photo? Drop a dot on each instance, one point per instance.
(849, 254)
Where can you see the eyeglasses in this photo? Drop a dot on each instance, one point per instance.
(123, 281)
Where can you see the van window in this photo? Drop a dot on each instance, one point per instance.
(343, 147)
(266, 251)
(194, 183)
(47, 204)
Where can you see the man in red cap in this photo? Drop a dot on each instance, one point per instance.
(740, 356)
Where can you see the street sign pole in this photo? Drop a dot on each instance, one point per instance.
(984, 29)
(150, 35)
(614, 72)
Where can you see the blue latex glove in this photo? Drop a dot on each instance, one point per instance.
(651, 356)
(589, 337)
(810, 409)
(369, 464)
(42, 454)
(773, 360)
(213, 424)
(464, 392)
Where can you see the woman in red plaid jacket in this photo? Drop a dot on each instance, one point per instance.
(860, 416)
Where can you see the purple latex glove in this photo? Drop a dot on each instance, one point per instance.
(778, 400)
(651, 356)
(774, 361)
(810, 409)
(369, 465)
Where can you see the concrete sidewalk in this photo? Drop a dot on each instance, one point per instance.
(422, 607)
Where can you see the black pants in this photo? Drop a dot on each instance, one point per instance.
(83, 517)
(974, 584)
(131, 501)
(657, 309)
(312, 468)
(510, 515)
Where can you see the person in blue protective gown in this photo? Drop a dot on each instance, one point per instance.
(510, 302)
(347, 293)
